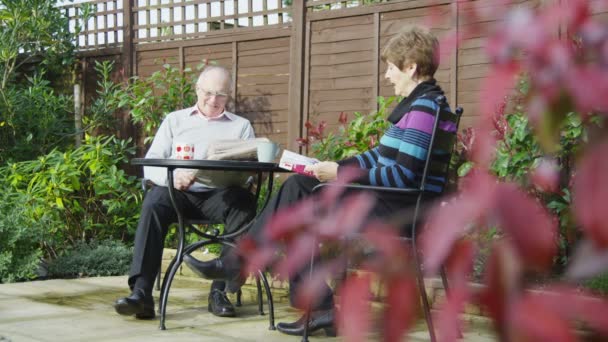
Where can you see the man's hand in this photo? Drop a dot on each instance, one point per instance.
(324, 171)
(182, 179)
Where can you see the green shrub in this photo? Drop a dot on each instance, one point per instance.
(37, 56)
(519, 153)
(82, 191)
(105, 258)
(148, 99)
(354, 137)
(20, 238)
(598, 284)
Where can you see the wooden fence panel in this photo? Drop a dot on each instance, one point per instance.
(473, 63)
(263, 84)
(341, 68)
(313, 66)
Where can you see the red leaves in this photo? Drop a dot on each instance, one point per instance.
(546, 175)
(354, 317)
(402, 302)
(502, 279)
(529, 225)
(533, 322)
(591, 194)
(459, 266)
(343, 118)
(544, 315)
(448, 221)
(532, 229)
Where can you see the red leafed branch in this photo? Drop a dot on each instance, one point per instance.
(567, 72)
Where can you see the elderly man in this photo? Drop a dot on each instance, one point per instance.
(199, 125)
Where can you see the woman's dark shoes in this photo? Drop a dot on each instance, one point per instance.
(318, 320)
(136, 304)
(213, 269)
(219, 304)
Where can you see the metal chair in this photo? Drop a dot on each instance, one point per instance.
(416, 196)
(213, 237)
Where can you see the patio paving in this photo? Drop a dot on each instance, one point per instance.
(81, 310)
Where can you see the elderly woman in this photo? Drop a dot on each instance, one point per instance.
(398, 160)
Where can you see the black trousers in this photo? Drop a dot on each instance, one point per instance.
(293, 189)
(233, 206)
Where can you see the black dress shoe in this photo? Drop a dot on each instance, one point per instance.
(213, 269)
(318, 320)
(136, 304)
(219, 304)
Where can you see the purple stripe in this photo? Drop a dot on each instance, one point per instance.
(424, 122)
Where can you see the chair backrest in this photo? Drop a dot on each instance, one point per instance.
(441, 145)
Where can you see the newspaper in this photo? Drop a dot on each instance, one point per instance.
(229, 150)
(234, 149)
(296, 162)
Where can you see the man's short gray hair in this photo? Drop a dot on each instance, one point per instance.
(210, 68)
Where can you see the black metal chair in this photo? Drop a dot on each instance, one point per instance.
(417, 197)
(214, 237)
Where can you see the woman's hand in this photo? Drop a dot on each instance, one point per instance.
(324, 171)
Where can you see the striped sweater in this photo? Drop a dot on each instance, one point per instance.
(398, 160)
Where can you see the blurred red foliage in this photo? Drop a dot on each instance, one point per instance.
(568, 72)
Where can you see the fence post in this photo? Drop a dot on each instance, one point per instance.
(127, 38)
(296, 73)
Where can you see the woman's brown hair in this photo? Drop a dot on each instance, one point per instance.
(413, 45)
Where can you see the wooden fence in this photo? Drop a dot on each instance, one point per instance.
(308, 61)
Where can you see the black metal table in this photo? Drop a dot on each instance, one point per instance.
(226, 239)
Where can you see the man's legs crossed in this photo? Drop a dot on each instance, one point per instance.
(294, 188)
(235, 206)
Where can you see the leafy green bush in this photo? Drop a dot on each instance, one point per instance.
(354, 137)
(148, 99)
(83, 190)
(519, 155)
(37, 56)
(37, 120)
(20, 238)
(598, 284)
(105, 258)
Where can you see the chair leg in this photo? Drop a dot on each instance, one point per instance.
(425, 300)
(239, 294)
(270, 300)
(444, 280)
(305, 332)
(260, 300)
(164, 293)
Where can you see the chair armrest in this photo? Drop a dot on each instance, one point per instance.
(374, 188)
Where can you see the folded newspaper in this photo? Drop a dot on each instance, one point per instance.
(229, 150)
(296, 162)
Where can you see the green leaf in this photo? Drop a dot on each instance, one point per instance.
(59, 202)
(465, 168)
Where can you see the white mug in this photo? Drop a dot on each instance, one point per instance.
(267, 151)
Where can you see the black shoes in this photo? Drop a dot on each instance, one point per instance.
(228, 269)
(136, 304)
(212, 269)
(318, 320)
(219, 304)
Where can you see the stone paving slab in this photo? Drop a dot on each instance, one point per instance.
(81, 310)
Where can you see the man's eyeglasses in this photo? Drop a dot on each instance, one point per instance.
(213, 93)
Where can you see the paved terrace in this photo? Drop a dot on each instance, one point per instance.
(81, 310)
